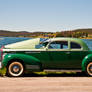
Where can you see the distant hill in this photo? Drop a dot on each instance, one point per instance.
(75, 33)
(67, 33)
(13, 34)
(7, 33)
(89, 31)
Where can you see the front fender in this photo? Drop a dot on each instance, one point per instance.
(85, 61)
(27, 59)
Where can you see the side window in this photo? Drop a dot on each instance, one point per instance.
(58, 45)
(75, 45)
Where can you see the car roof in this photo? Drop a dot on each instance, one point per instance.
(76, 40)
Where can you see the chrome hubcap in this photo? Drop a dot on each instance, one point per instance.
(16, 68)
(90, 68)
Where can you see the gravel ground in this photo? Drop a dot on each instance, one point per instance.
(46, 84)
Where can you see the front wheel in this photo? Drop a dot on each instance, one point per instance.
(89, 69)
(15, 69)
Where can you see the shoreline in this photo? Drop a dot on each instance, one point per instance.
(86, 38)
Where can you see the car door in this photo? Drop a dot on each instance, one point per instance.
(76, 55)
(59, 54)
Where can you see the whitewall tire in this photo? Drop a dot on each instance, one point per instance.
(89, 69)
(15, 69)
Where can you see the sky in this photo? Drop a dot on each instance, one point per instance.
(45, 15)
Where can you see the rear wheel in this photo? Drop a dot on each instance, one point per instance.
(89, 69)
(15, 69)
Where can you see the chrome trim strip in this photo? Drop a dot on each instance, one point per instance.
(32, 67)
(32, 52)
(48, 70)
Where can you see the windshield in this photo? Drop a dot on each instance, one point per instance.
(41, 45)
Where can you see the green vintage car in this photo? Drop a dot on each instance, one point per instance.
(56, 54)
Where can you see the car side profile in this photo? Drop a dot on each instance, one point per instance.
(55, 54)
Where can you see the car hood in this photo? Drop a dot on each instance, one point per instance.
(28, 44)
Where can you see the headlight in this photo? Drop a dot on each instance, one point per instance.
(4, 55)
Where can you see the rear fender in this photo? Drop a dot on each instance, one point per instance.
(85, 61)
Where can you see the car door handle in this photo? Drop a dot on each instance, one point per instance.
(67, 52)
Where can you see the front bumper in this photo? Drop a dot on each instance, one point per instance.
(0, 64)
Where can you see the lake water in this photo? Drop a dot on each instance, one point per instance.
(88, 42)
(9, 40)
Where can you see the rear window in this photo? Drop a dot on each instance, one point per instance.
(75, 45)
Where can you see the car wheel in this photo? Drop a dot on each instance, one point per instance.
(15, 69)
(89, 69)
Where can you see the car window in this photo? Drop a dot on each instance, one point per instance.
(58, 45)
(75, 45)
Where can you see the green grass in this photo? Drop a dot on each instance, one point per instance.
(53, 73)
(3, 72)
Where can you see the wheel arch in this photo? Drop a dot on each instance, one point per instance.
(15, 59)
(87, 59)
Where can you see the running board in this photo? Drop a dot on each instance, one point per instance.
(48, 70)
